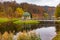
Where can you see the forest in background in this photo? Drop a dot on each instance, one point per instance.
(15, 10)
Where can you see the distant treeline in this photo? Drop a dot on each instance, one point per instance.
(8, 9)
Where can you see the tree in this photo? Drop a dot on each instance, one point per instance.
(45, 16)
(57, 11)
(9, 11)
(19, 11)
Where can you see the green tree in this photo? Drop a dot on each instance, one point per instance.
(45, 15)
(57, 11)
(9, 11)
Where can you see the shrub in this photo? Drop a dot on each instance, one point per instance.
(28, 36)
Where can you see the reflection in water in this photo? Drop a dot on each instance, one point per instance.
(46, 33)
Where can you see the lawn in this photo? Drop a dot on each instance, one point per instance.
(2, 20)
(26, 22)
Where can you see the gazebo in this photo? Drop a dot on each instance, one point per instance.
(26, 15)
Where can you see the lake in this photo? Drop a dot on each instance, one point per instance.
(46, 33)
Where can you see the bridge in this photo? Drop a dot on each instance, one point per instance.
(47, 23)
(46, 20)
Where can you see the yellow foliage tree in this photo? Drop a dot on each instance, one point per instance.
(20, 11)
(57, 12)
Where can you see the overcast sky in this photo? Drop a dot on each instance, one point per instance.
(40, 2)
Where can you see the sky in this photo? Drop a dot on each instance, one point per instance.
(40, 2)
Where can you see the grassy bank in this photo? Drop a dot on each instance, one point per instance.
(2, 20)
(57, 36)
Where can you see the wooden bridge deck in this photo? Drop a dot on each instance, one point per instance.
(49, 20)
(47, 23)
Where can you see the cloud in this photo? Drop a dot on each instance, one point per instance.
(40, 2)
